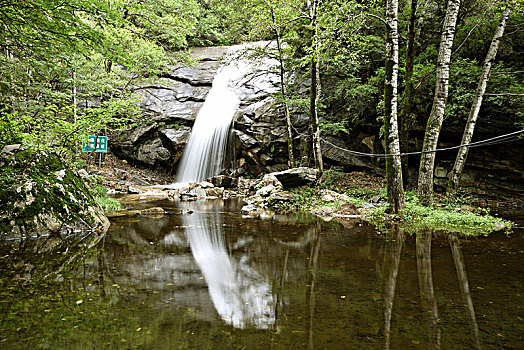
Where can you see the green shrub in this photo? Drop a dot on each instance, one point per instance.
(107, 203)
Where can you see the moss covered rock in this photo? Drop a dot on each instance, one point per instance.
(40, 195)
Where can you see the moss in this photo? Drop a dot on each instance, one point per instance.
(33, 175)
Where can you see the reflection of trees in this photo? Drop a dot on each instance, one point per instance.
(391, 264)
(425, 280)
(279, 290)
(460, 266)
(310, 284)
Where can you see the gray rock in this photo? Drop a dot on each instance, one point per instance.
(10, 149)
(338, 155)
(296, 177)
(199, 192)
(266, 191)
(441, 172)
(178, 136)
(32, 212)
(244, 141)
(205, 184)
(153, 152)
(135, 180)
(250, 211)
(222, 181)
(269, 179)
(140, 133)
(200, 74)
(283, 197)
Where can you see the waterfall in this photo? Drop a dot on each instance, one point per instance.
(205, 151)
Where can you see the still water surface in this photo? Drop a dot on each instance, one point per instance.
(213, 280)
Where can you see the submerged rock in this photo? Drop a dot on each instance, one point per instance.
(155, 211)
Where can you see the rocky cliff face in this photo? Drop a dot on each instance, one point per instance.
(257, 143)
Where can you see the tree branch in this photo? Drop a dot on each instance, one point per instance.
(377, 17)
(466, 38)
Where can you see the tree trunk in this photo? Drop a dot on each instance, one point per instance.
(458, 167)
(315, 90)
(427, 160)
(408, 93)
(283, 90)
(393, 163)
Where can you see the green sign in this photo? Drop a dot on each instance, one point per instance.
(95, 143)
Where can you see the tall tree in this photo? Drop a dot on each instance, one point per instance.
(275, 27)
(395, 187)
(312, 7)
(405, 112)
(436, 117)
(458, 167)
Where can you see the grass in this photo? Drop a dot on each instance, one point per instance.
(446, 215)
(107, 203)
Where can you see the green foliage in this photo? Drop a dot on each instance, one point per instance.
(11, 129)
(107, 203)
(333, 128)
(224, 22)
(68, 69)
(54, 128)
(464, 76)
(448, 216)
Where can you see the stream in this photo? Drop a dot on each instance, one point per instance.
(214, 280)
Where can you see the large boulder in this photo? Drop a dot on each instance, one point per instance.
(40, 195)
(296, 177)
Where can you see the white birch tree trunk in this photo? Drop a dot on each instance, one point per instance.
(427, 161)
(458, 167)
(315, 88)
(395, 187)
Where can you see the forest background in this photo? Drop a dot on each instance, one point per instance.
(69, 69)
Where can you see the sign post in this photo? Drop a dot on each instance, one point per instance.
(98, 144)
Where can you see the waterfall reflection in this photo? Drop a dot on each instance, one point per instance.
(241, 296)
